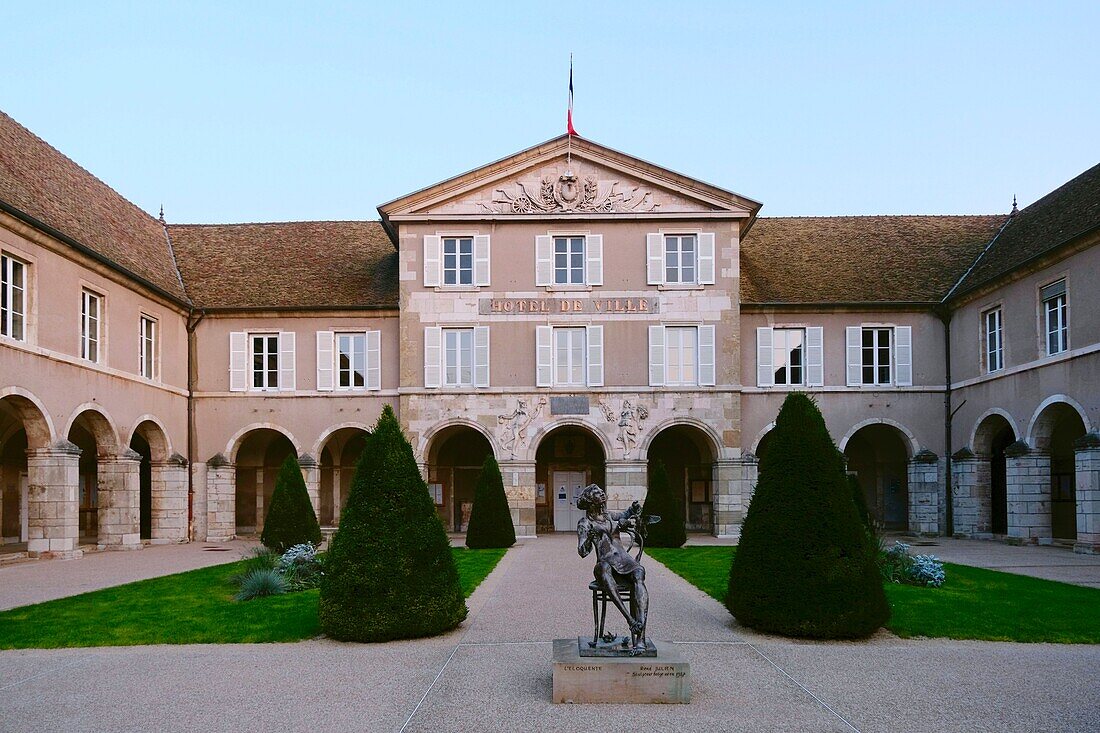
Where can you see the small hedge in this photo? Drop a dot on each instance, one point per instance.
(490, 518)
(667, 504)
(290, 517)
(389, 573)
(805, 565)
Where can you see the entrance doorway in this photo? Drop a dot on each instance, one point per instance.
(567, 486)
(878, 455)
(455, 459)
(568, 459)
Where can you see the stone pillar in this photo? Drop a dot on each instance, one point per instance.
(1027, 474)
(970, 488)
(261, 506)
(732, 485)
(1087, 466)
(53, 475)
(221, 499)
(169, 500)
(199, 516)
(520, 488)
(119, 487)
(311, 472)
(924, 493)
(626, 483)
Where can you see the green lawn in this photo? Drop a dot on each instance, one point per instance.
(974, 603)
(195, 607)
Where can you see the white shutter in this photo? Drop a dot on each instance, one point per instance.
(238, 361)
(903, 359)
(595, 355)
(656, 356)
(765, 371)
(815, 357)
(433, 355)
(544, 356)
(593, 250)
(706, 258)
(374, 359)
(481, 259)
(706, 356)
(325, 360)
(655, 259)
(544, 260)
(855, 355)
(286, 361)
(481, 356)
(433, 261)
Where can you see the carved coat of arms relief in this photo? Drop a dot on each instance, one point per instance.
(568, 194)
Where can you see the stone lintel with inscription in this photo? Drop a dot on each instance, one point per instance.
(567, 306)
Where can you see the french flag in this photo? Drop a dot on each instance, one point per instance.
(569, 130)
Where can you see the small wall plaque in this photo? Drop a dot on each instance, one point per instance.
(573, 405)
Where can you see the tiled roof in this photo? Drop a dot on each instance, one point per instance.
(860, 259)
(287, 265)
(1062, 215)
(40, 182)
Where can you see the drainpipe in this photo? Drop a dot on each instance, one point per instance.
(192, 324)
(944, 314)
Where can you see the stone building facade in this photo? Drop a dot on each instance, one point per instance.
(576, 312)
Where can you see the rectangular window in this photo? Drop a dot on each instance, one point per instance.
(680, 250)
(351, 364)
(569, 260)
(681, 355)
(569, 356)
(1056, 315)
(458, 260)
(458, 357)
(91, 315)
(147, 347)
(265, 360)
(876, 355)
(788, 355)
(994, 341)
(13, 297)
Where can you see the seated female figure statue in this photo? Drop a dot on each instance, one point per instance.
(599, 529)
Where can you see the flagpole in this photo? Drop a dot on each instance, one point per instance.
(569, 118)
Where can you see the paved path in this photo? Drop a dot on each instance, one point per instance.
(35, 581)
(1052, 563)
(494, 674)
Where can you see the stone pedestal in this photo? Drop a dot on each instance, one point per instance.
(119, 491)
(519, 487)
(53, 475)
(221, 499)
(169, 500)
(1087, 463)
(924, 493)
(665, 678)
(1027, 477)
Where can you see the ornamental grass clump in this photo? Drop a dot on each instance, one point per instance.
(898, 566)
(662, 501)
(490, 518)
(389, 572)
(290, 517)
(806, 565)
(300, 567)
(261, 582)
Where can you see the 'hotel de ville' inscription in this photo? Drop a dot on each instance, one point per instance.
(567, 306)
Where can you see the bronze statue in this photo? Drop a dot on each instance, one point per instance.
(615, 567)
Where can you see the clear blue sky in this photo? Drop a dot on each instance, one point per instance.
(281, 111)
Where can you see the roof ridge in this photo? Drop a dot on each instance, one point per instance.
(280, 223)
(880, 216)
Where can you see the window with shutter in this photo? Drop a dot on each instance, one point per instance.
(853, 339)
(481, 356)
(481, 260)
(351, 361)
(433, 356)
(594, 256)
(286, 361)
(433, 261)
(544, 356)
(238, 361)
(815, 357)
(325, 361)
(655, 259)
(1056, 317)
(13, 297)
(595, 356)
(458, 357)
(706, 258)
(374, 360)
(544, 260)
(265, 361)
(903, 356)
(764, 375)
(706, 356)
(656, 356)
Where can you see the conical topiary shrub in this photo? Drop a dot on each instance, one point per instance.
(490, 518)
(861, 504)
(667, 504)
(290, 517)
(389, 573)
(805, 565)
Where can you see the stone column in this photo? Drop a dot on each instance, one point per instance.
(199, 515)
(1087, 465)
(732, 485)
(261, 500)
(519, 487)
(924, 493)
(626, 482)
(119, 482)
(169, 500)
(53, 475)
(311, 472)
(970, 488)
(1027, 474)
(221, 499)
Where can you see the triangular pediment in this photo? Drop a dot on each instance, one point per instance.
(569, 177)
